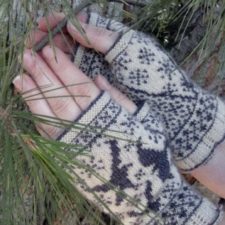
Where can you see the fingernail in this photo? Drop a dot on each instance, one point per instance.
(17, 82)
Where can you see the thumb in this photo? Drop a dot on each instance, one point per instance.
(115, 94)
(91, 36)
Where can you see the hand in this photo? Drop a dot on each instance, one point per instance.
(56, 70)
(209, 174)
(99, 39)
(52, 68)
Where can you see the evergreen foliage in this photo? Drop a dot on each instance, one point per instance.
(36, 184)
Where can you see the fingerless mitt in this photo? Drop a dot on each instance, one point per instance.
(134, 160)
(194, 120)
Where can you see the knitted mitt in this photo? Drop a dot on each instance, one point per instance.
(193, 119)
(135, 161)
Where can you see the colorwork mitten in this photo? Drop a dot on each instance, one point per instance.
(135, 161)
(193, 119)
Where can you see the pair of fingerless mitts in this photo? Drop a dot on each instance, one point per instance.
(132, 153)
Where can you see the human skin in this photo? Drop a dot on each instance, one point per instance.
(38, 65)
(44, 70)
(53, 68)
(211, 174)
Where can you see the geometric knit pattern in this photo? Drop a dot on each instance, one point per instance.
(194, 120)
(135, 160)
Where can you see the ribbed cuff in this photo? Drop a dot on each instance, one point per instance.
(120, 45)
(206, 148)
(86, 118)
(142, 111)
(95, 121)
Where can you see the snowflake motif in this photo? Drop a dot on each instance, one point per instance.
(146, 56)
(189, 138)
(173, 106)
(129, 126)
(139, 77)
(167, 68)
(140, 174)
(85, 64)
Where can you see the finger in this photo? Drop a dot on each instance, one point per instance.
(68, 55)
(69, 74)
(46, 23)
(115, 94)
(36, 103)
(57, 96)
(62, 41)
(90, 36)
(34, 37)
(50, 21)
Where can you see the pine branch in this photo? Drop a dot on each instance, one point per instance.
(40, 167)
(40, 45)
(57, 29)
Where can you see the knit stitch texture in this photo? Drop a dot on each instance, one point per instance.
(134, 159)
(137, 65)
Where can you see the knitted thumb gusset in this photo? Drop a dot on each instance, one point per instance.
(193, 119)
(135, 161)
